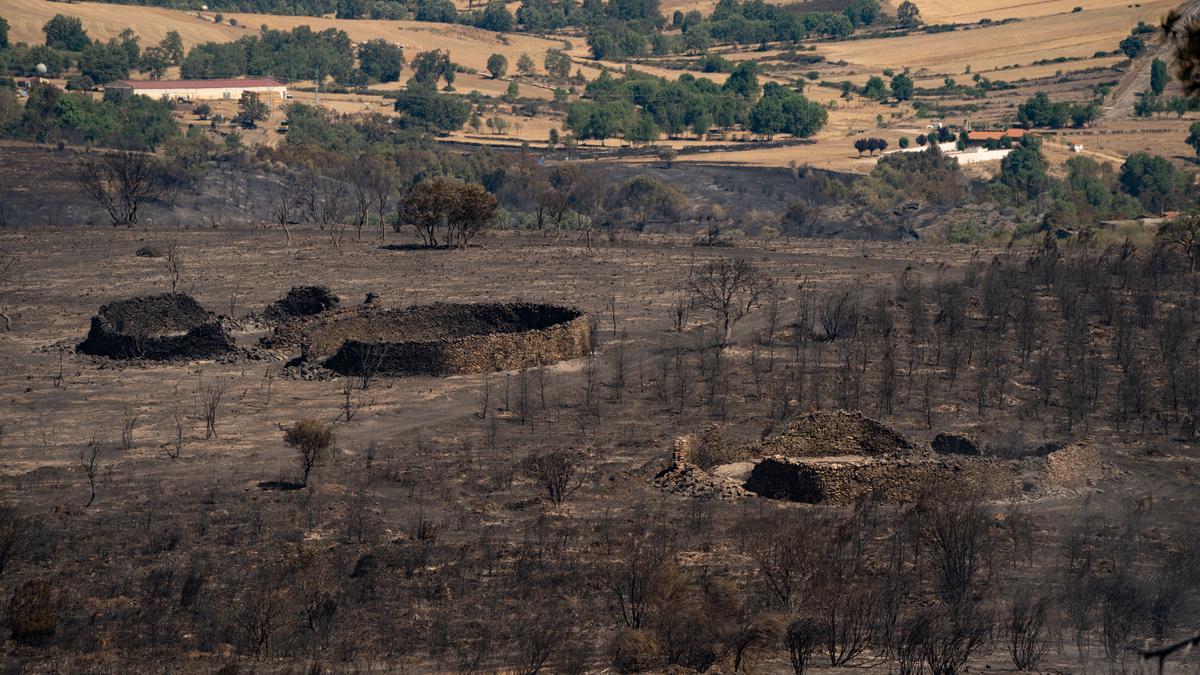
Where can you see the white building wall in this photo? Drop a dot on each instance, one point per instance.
(205, 93)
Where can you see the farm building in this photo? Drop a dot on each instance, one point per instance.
(994, 136)
(198, 90)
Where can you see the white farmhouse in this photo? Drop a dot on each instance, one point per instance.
(199, 90)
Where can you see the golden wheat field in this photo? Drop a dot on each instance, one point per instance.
(1022, 43)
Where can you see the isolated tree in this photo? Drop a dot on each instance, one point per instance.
(1193, 138)
(731, 288)
(555, 472)
(447, 211)
(121, 182)
(89, 466)
(3, 33)
(497, 65)
(252, 109)
(313, 441)
(525, 65)
(1158, 76)
(557, 64)
(1027, 628)
(902, 87)
(908, 15)
(431, 66)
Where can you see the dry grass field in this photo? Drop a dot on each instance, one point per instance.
(954, 11)
(987, 48)
(104, 21)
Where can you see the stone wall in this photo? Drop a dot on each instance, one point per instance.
(842, 480)
(156, 327)
(897, 472)
(830, 433)
(439, 339)
(1074, 465)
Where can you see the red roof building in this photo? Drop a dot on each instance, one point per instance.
(192, 90)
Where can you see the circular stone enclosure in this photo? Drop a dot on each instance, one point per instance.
(445, 339)
(156, 327)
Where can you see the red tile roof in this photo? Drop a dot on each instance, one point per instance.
(200, 84)
(994, 135)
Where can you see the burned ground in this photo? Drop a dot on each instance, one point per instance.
(435, 502)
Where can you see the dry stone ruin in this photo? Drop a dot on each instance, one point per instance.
(156, 327)
(839, 458)
(437, 339)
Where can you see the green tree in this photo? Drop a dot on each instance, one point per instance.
(599, 121)
(1158, 76)
(1025, 168)
(497, 65)
(1193, 138)
(875, 89)
(3, 33)
(431, 66)
(908, 15)
(154, 62)
(744, 80)
(104, 62)
(251, 110)
(902, 87)
(862, 12)
(381, 60)
(440, 11)
(1132, 46)
(643, 130)
(65, 32)
(424, 107)
(172, 45)
(557, 64)
(496, 17)
(1152, 179)
(513, 92)
(525, 65)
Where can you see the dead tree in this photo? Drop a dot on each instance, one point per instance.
(802, 638)
(557, 473)
(284, 210)
(173, 264)
(89, 463)
(731, 288)
(211, 394)
(128, 423)
(121, 183)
